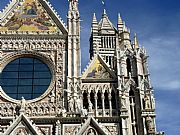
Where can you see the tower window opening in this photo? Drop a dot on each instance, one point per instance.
(133, 111)
(92, 98)
(128, 63)
(106, 101)
(110, 57)
(99, 100)
(107, 59)
(113, 100)
(85, 100)
(110, 42)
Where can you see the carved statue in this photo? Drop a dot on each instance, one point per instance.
(21, 132)
(90, 107)
(147, 102)
(84, 112)
(23, 105)
(64, 112)
(150, 125)
(71, 105)
(52, 98)
(91, 132)
(78, 105)
(123, 101)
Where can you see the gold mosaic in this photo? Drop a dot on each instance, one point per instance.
(30, 16)
(97, 71)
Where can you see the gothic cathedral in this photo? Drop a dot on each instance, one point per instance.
(42, 89)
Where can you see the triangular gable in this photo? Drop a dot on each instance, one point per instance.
(21, 125)
(91, 126)
(98, 70)
(105, 25)
(35, 16)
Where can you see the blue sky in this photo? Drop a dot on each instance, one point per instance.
(157, 24)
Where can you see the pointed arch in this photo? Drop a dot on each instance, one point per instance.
(129, 66)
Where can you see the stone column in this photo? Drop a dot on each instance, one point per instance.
(133, 114)
(88, 97)
(103, 105)
(124, 126)
(58, 128)
(110, 103)
(95, 98)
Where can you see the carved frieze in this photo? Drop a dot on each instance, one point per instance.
(31, 45)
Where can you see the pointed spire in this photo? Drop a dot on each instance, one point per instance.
(120, 24)
(120, 19)
(136, 44)
(94, 19)
(94, 27)
(125, 29)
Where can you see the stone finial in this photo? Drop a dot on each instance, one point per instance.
(104, 12)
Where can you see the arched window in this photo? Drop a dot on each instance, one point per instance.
(99, 100)
(106, 101)
(113, 100)
(85, 100)
(128, 63)
(92, 98)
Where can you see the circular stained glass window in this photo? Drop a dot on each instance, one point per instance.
(25, 77)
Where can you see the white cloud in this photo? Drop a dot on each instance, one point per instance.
(164, 61)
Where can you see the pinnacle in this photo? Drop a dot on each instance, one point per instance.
(136, 44)
(94, 18)
(120, 19)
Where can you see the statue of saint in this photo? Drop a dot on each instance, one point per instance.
(91, 132)
(123, 101)
(90, 107)
(71, 105)
(149, 121)
(147, 102)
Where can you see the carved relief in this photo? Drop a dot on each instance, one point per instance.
(91, 131)
(45, 129)
(7, 109)
(110, 129)
(43, 109)
(21, 131)
(71, 130)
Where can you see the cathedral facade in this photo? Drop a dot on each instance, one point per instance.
(43, 91)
